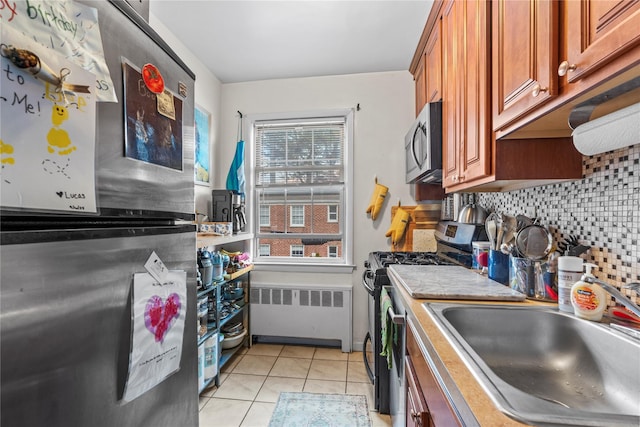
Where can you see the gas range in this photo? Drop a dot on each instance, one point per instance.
(453, 248)
(385, 259)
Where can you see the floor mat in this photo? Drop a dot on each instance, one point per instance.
(320, 410)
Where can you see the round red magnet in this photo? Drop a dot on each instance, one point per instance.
(152, 78)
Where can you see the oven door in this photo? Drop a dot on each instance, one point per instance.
(397, 396)
(369, 345)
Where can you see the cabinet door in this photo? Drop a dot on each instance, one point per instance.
(451, 100)
(467, 136)
(524, 38)
(417, 412)
(476, 118)
(596, 32)
(433, 62)
(420, 78)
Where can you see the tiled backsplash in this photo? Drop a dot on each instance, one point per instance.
(602, 210)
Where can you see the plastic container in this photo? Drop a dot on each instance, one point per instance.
(480, 257)
(205, 267)
(589, 300)
(569, 272)
(217, 274)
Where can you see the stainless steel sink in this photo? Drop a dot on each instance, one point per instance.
(544, 367)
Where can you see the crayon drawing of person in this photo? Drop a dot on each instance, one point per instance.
(59, 138)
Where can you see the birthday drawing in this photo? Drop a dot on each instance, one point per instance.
(48, 116)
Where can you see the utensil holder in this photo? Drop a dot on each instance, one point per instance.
(498, 267)
(532, 278)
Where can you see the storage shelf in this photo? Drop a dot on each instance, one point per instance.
(231, 316)
(227, 353)
(204, 239)
(237, 313)
(238, 273)
(206, 336)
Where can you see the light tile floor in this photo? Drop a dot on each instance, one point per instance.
(252, 380)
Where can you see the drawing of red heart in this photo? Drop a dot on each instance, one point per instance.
(160, 316)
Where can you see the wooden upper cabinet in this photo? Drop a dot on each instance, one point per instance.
(420, 77)
(477, 94)
(433, 62)
(596, 32)
(525, 57)
(451, 108)
(467, 135)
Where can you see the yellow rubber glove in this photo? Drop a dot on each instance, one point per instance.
(398, 226)
(375, 205)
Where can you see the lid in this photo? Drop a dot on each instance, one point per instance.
(570, 263)
(481, 245)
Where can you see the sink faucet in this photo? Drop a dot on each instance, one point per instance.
(619, 296)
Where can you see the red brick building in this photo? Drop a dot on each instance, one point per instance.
(319, 221)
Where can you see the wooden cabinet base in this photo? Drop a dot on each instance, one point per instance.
(522, 163)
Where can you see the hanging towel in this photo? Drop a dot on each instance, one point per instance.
(235, 177)
(388, 330)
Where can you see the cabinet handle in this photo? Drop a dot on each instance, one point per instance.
(454, 178)
(537, 89)
(565, 68)
(415, 417)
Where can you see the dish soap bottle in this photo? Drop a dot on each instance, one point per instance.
(589, 300)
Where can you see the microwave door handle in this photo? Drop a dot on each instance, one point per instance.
(413, 145)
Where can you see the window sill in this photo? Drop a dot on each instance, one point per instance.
(304, 268)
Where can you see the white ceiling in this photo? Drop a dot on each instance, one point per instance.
(260, 40)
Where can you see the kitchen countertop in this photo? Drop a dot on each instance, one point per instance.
(451, 282)
(478, 401)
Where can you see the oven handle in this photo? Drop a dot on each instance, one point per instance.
(365, 275)
(398, 319)
(364, 356)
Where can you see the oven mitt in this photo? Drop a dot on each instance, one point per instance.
(398, 226)
(375, 205)
(387, 331)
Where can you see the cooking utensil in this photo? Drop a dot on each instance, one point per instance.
(500, 231)
(522, 221)
(491, 226)
(510, 228)
(534, 242)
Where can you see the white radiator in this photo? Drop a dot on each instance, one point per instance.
(309, 312)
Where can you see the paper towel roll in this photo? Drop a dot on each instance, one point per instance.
(610, 132)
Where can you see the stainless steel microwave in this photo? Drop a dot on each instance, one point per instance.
(423, 146)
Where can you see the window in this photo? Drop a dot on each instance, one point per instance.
(302, 174)
(265, 216)
(332, 213)
(264, 250)
(297, 216)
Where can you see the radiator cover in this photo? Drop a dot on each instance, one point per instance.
(313, 312)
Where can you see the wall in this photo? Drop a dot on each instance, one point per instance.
(602, 210)
(207, 97)
(386, 111)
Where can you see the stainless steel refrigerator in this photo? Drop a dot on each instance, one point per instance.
(67, 280)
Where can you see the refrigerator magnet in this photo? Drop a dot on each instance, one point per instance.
(152, 78)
